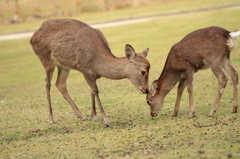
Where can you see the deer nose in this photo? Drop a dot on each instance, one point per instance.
(153, 114)
(147, 91)
(148, 102)
(143, 91)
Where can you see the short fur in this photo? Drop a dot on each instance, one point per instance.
(71, 44)
(204, 48)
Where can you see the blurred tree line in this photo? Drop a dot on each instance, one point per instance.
(16, 11)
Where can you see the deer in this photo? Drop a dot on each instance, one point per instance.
(199, 50)
(72, 44)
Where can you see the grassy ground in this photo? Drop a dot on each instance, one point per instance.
(26, 133)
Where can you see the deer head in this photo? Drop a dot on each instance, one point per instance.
(155, 98)
(137, 69)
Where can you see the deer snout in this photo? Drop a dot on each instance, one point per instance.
(147, 91)
(153, 113)
(148, 102)
(144, 90)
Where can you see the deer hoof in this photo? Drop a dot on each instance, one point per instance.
(174, 115)
(234, 110)
(85, 119)
(107, 123)
(209, 116)
(191, 117)
(96, 120)
(53, 122)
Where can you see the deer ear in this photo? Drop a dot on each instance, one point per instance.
(155, 87)
(145, 52)
(130, 52)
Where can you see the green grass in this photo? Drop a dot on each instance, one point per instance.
(26, 133)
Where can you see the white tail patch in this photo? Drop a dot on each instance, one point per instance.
(235, 34)
(231, 42)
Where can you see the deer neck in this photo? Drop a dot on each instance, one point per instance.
(167, 81)
(113, 67)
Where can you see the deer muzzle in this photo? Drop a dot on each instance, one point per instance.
(153, 113)
(143, 91)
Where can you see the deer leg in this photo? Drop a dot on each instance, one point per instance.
(181, 86)
(49, 73)
(222, 81)
(104, 116)
(189, 81)
(94, 113)
(94, 90)
(234, 76)
(61, 85)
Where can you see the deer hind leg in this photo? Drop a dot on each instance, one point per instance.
(61, 85)
(49, 72)
(181, 86)
(234, 76)
(91, 81)
(189, 82)
(222, 81)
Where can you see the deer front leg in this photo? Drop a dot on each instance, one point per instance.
(189, 80)
(181, 86)
(94, 90)
(94, 113)
(104, 116)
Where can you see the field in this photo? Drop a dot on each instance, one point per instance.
(26, 133)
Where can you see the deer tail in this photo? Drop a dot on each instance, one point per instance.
(234, 34)
(231, 42)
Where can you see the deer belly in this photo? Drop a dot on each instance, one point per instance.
(62, 62)
(57, 63)
(205, 65)
(200, 66)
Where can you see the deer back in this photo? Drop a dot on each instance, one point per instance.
(198, 46)
(70, 43)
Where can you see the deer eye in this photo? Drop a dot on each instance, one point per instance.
(143, 72)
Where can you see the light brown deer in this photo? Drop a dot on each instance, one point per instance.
(205, 48)
(71, 44)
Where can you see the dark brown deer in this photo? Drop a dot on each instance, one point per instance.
(205, 48)
(71, 44)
